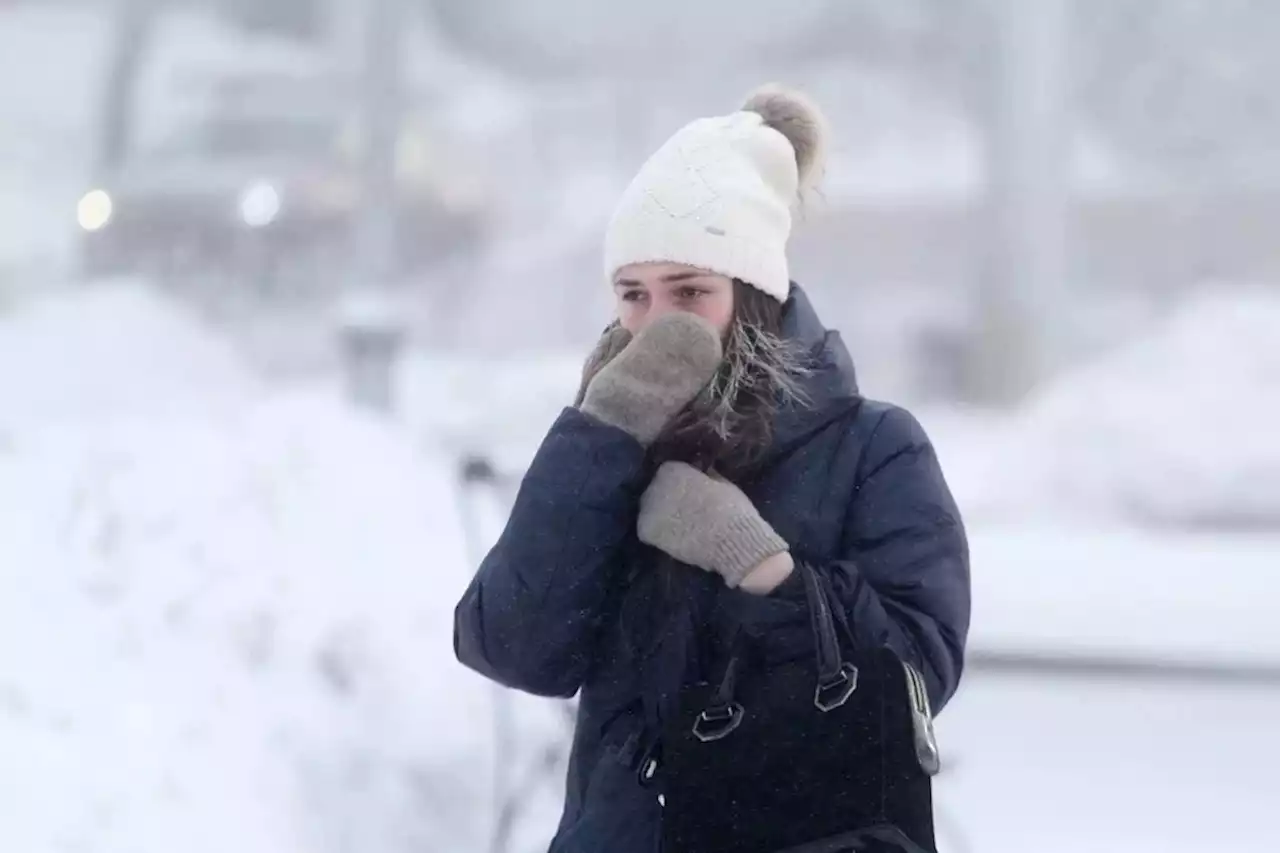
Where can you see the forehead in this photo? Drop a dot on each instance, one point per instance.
(660, 272)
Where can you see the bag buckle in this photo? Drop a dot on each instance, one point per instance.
(833, 692)
(718, 722)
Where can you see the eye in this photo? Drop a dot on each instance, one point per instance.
(689, 292)
(632, 295)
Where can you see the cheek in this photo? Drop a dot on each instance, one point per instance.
(630, 315)
(719, 313)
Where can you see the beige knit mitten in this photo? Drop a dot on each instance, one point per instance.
(655, 376)
(706, 522)
(613, 341)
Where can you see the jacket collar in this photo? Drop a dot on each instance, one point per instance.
(831, 386)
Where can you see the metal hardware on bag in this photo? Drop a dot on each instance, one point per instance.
(718, 722)
(831, 694)
(648, 765)
(923, 735)
(834, 690)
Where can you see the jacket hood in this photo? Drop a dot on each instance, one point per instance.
(831, 386)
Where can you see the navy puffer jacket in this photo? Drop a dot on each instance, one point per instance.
(852, 485)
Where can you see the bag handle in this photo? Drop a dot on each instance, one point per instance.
(837, 678)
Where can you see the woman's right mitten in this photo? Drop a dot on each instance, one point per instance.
(663, 368)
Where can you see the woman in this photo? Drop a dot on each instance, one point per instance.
(718, 440)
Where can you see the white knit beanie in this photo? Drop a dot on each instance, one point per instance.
(718, 194)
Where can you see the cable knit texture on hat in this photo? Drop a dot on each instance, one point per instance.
(718, 195)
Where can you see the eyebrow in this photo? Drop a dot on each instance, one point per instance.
(683, 275)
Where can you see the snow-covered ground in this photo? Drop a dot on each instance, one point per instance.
(1067, 765)
(1108, 592)
(227, 615)
(233, 631)
(69, 356)
(1176, 428)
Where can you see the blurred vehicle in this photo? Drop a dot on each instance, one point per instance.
(270, 193)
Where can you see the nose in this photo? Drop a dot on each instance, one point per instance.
(660, 304)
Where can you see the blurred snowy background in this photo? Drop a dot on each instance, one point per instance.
(273, 271)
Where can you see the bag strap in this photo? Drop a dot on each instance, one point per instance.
(826, 643)
(836, 678)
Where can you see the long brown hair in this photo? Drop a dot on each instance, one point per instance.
(729, 426)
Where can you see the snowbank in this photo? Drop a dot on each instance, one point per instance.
(1177, 429)
(227, 614)
(112, 348)
(1089, 592)
(1057, 765)
(492, 405)
(234, 633)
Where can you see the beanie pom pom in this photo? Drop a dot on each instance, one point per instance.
(797, 118)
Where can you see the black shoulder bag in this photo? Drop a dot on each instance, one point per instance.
(834, 753)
